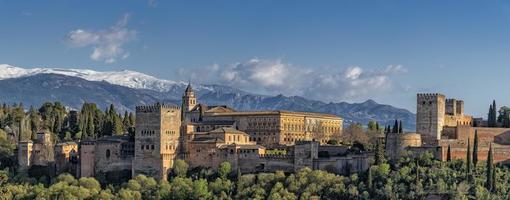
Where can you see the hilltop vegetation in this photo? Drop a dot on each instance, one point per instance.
(407, 179)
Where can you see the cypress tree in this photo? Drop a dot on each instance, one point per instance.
(489, 169)
(494, 179)
(449, 154)
(20, 130)
(379, 153)
(370, 179)
(494, 113)
(395, 127)
(417, 177)
(475, 150)
(131, 119)
(489, 117)
(90, 126)
(377, 126)
(400, 128)
(239, 174)
(125, 120)
(468, 159)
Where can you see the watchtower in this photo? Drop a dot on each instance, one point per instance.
(156, 139)
(430, 117)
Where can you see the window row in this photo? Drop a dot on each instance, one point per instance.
(147, 147)
(147, 132)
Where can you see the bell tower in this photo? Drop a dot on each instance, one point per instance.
(188, 101)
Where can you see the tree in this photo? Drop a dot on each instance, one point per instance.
(468, 159)
(224, 169)
(490, 170)
(182, 188)
(494, 113)
(91, 131)
(379, 153)
(417, 181)
(475, 150)
(400, 128)
(449, 154)
(372, 125)
(180, 168)
(201, 190)
(395, 127)
(489, 116)
(503, 116)
(370, 178)
(279, 192)
(492, 116)
(131, 119)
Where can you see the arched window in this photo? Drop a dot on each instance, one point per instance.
(107, 153)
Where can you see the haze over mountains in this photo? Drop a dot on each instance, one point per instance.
(126, 89)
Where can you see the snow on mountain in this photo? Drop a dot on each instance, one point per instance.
(127, 78)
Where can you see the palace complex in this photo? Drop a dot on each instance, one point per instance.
(256, 141)
(205, 136)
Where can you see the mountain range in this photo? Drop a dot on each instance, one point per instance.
(126, 89)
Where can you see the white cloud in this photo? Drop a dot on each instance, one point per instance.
(107, 44)
(278, 77)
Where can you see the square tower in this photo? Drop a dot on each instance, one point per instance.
(451, 107)
(430, 117)
(460, 107)
(156, 140)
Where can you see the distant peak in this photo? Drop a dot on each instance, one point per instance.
(370, 101)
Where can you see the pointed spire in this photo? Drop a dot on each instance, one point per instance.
(188, 88)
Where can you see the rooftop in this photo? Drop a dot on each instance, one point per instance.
(274, 112)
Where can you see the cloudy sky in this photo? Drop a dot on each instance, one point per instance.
(326, 50)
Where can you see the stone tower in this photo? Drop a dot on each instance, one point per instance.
(430, 116)
(25, 149)
(188, 101)
(156, 140)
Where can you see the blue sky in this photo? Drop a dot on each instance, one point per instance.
(326, 50)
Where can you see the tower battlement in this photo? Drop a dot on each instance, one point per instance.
(451, 101)
(429, 95)
(156, 107)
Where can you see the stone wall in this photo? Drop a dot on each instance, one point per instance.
(87, 158)
(344, 165)
(66, 155)
(396, 143)
(109, 157)
(305, 152)
(25, 154)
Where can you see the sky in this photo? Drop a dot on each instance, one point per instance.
(331, 51)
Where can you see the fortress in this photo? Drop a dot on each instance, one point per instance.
(255, 141)
(442, 123)
(205, 136)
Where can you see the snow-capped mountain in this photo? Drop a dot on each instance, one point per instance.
(127, 78)
(126, 89)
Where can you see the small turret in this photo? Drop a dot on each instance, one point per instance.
(188, 101)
